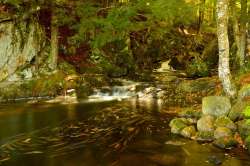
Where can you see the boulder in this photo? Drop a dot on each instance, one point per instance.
(244, 128)
(236, 111)
(224, 121)
(19, 49)
(177, 125)
(188, 132)
(216, 106)
(222, 132)
(206, 124)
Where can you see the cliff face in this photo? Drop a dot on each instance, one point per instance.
(21, 45)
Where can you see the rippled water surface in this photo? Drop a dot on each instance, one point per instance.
(29, 136)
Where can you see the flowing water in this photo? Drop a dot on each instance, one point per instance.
(114, 127)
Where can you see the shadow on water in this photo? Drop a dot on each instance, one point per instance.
(130, 132)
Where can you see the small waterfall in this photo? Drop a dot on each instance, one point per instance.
(165, 67)
(126, 90)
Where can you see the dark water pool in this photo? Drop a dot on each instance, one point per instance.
(26, 122)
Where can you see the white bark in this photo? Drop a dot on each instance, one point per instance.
(222, 32)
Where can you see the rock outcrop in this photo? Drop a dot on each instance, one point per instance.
(20, 47)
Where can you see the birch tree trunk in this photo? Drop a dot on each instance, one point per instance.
(222, 33)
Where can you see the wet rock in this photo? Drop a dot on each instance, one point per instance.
(225, 142)
(244, 92)
(222, 132)
(236, 111)
(205, 136)
(177, 125)
(188, 132)
(214, 160)
(244, 128)
(206, 124)
(216, 106)
(225, 122)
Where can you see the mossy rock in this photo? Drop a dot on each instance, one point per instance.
(205, 136)
(177, 125)
(47, 85)
(225, 142)
(224, 121)
(222, 132)
(216, 106)
(236, 112)
(244, 128)
(188, 132)
(206, 123)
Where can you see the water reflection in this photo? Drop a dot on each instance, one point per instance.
(39, 124)
(23, 118)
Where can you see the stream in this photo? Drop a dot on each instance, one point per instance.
(116, 126)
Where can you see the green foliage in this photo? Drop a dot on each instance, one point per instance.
(197, 67)
(246, 112)
(100, 25)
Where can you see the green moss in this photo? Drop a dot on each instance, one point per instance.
(190, 113)
(205, 135)
(244, 128)
(177, 125)
(225, 122)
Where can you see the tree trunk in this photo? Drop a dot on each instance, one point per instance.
(236, 31)
(201, 14)
(54, 42)
(222, 33)
(242, 35)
